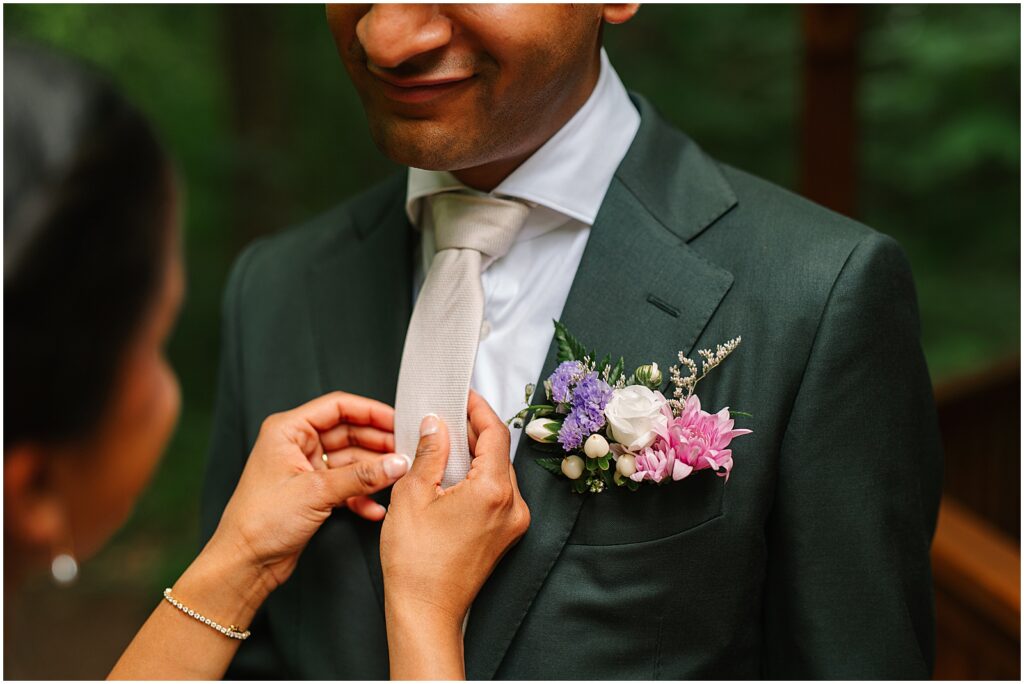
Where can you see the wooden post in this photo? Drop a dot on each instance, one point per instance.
(256, 97)
(828, 131)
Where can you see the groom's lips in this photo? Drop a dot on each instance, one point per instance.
(420, 90)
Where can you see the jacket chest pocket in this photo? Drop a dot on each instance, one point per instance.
(652, 512)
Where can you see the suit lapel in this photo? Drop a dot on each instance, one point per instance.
(360, 293)
(639, 291)
(361, 297)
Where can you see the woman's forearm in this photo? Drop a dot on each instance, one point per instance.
(423, 642)
(174, 645)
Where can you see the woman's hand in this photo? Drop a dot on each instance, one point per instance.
(438, 546)
(285, 494)
(287, 491)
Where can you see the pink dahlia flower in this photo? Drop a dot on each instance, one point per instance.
(694, 441)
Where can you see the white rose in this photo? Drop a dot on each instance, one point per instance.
(633, 414)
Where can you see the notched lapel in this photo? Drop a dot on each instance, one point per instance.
(360, 293)
(631, 258)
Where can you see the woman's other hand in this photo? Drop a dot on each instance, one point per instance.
(438, 546)
(288, 489)
(285, 494)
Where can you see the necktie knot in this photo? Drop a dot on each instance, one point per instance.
(486, 224)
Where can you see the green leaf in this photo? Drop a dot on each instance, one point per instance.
(591, 464)
(617, 371)
(603, 462)
(740, 413)
(580, 485)
(552, 465)
(633, 486)
(569, 348)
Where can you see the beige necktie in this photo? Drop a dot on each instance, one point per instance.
(470, 232)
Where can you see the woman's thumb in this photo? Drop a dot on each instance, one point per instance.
(361, 477)
(431, 452)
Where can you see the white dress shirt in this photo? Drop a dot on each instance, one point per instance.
(564, 182)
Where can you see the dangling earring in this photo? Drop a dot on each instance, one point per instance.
(64, 569)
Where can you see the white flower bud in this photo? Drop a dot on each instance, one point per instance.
(625, 465)
(596, 446)
(572, 467)
(649, 376)
(544, 430)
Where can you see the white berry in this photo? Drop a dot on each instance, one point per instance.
(572, 467)
(596, 446)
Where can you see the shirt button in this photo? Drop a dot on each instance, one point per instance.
(485, 330)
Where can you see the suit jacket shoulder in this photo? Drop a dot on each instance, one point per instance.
(277, 256)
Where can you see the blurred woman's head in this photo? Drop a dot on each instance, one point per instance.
(92, 284)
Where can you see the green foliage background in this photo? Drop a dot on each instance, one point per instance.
(940, 159)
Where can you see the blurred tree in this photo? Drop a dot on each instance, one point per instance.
(940, 108)
(257, 89)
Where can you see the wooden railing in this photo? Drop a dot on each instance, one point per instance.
(976, 552)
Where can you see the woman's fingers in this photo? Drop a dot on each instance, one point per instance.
(344, 457)
(471, 434)
(324, 413)
(367, 508)
(431, 454)
(335, 486)
(491, 453)
(347, 435)
(481, 415)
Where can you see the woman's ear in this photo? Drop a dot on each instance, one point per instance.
(619, 13)
(34, 515)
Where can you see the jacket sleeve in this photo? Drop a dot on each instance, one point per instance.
(848, 591)
(258, 657)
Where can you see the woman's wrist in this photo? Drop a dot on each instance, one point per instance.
(407, 607)
(424, 639)
(224, 585)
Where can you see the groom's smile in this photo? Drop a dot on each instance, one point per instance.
(419, 90)
(416, 85)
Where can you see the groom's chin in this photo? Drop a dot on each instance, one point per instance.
(428, 144)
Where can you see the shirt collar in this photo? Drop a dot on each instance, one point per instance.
(571, 172)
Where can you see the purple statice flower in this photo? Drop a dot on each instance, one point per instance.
(562, 380)
(586, 416)
(589, 398)
(571, 435)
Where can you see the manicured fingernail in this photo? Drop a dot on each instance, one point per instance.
(429, 424)
(396, 466)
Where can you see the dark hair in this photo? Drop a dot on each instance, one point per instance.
(86, 196)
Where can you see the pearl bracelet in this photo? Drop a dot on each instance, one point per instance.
(229, 631)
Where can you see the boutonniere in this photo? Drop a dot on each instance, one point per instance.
(619, 431)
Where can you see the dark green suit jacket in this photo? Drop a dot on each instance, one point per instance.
(811, 562)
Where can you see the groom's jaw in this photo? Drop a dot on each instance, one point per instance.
(468, 87)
